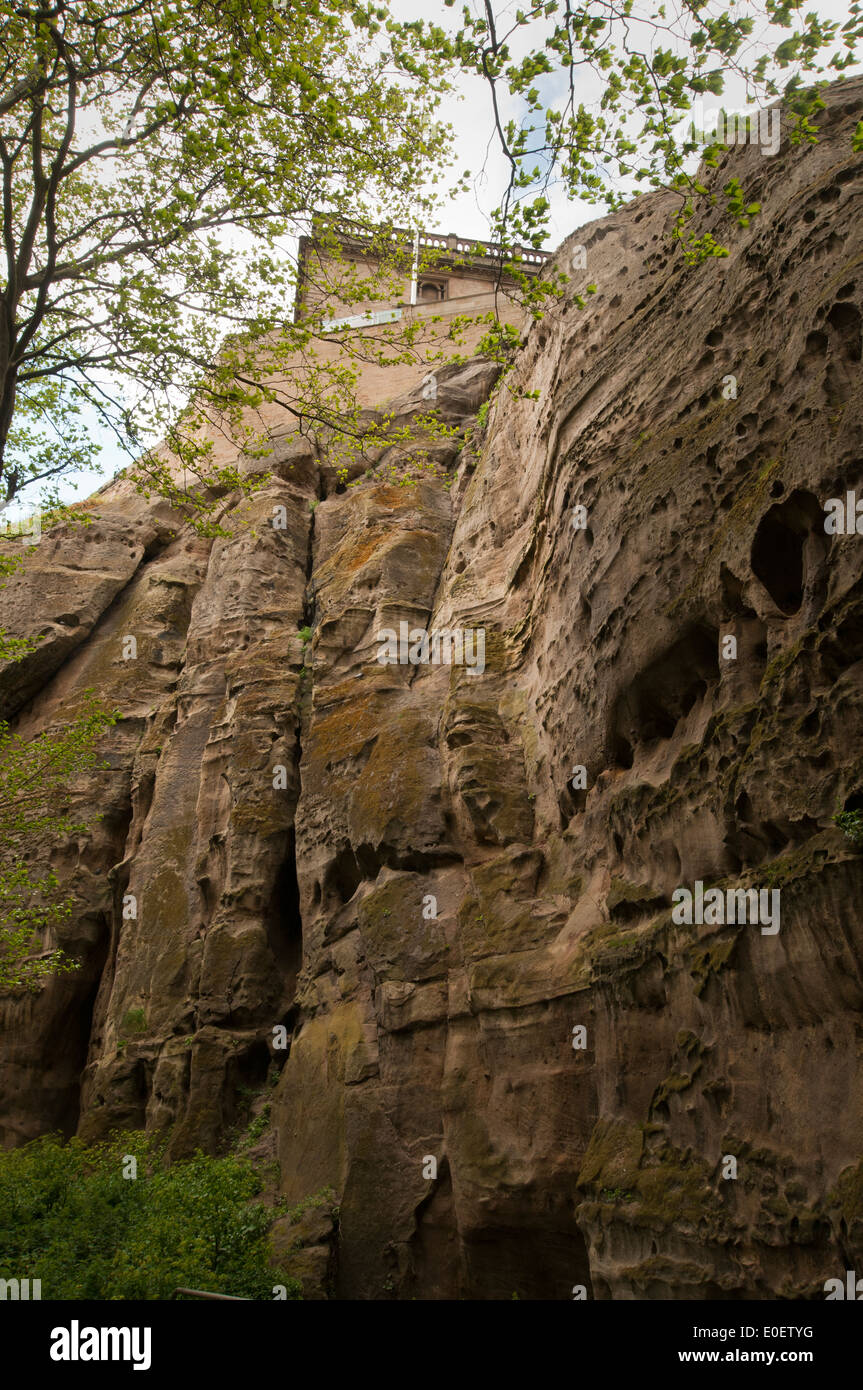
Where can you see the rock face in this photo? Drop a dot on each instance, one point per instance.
(397, 862)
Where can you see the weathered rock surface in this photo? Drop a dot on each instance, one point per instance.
(306, 903)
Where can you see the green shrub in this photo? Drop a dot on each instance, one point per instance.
(257, 1126)
(852, 824)
(325, 1197)
(69, 1217)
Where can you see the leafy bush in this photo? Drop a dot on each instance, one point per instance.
(34, 780)
(69, 1217)
(257, 1126)
(325, 1197)
(852, 824)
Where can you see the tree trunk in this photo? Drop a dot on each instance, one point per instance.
(8, 482)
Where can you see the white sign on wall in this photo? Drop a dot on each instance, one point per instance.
(366, 320)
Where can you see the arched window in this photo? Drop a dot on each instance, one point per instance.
(431, 291)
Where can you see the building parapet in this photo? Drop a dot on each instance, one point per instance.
(457, 258)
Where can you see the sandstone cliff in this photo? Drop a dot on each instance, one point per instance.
(414, 1036)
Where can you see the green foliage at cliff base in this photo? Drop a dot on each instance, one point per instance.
(69, 1217)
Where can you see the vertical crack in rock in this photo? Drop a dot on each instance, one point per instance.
(285, 910)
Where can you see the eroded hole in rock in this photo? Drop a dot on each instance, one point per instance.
(459, 738)
(843, 646)
(750, 838)
(665, 692)
(845, 320)
(284, 923)
(814, 351)
(777, 560)
(246, 1079)
(253, 1065)
(342, 877)
(363, 863)
(369, 861)
(780, 546)
(743, 808)
(571, 800)
(811, 724)
(621, 752)
(732, 592)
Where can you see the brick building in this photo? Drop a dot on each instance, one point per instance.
(429, 280)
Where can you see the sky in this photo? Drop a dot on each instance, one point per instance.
(468, 110)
